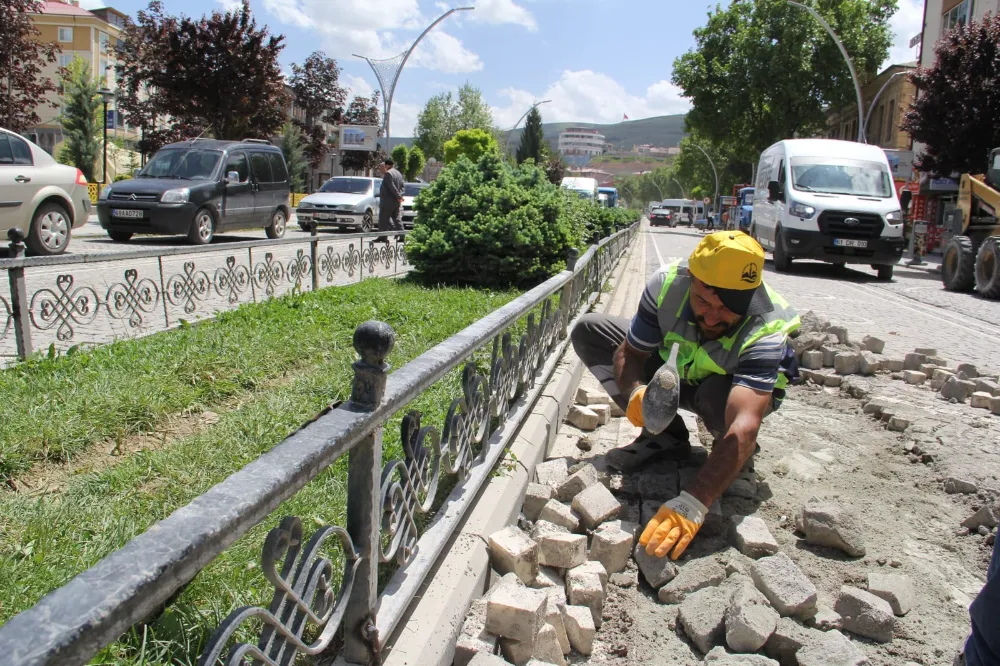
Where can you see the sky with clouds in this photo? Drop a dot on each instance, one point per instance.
(596, 60)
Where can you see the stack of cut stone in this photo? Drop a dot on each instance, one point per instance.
(820, 347)
(758, 599)
(956, 384)
(593, 408)
(550, 599)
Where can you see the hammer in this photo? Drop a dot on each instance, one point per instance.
(662, 397)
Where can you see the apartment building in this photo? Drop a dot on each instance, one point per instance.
(89, 35)
(897, 93)
(940, 16)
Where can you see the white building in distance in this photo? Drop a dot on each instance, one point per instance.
(581, 141)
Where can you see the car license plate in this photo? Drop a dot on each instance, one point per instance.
(126, 212)
(848, 242)
(324, 216)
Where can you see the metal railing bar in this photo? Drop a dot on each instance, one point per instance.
(98, 257)
(407, 580)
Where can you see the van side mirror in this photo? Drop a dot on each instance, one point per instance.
(232, 178)
(774, 192)
(904, 200)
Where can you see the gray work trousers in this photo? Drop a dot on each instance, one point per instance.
(388, 215)
(595, 339)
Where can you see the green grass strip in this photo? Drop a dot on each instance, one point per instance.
(130, 386)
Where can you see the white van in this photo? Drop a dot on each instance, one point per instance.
(683, 209)
(585, 188)
(828, 200)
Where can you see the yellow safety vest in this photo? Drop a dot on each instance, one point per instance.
(696, 361)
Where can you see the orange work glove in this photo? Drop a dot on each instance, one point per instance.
(634, 411)
(676, 522)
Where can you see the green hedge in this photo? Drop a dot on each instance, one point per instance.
(491, 224)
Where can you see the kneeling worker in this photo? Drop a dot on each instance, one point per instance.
(733, 361)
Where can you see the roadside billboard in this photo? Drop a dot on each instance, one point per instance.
(358, 137)
(901, 163)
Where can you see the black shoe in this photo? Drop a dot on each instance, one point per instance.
(648, 448)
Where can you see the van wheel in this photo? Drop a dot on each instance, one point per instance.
(368, 222)
(278, 223)
(50, 230)
(958, 270)
(782, 262)
(202, 228)
(120, 236)
(988, 268)
(885, 272)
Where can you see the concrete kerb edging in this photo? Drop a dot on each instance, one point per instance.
(428, 635)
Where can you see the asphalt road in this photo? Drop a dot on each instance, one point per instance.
(92, 239)
(913, 310)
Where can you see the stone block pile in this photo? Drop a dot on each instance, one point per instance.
(827, 356)
(549, 600)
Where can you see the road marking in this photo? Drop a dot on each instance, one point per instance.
(656, 246)
(966, 327)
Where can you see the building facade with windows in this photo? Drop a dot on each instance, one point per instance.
(883, 120)
(581, 141)
(88, 35)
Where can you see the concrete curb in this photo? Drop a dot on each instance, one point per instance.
(427, 636)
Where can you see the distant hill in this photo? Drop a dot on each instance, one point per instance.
(659, 131)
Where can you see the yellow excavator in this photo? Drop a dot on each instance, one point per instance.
(972, 256)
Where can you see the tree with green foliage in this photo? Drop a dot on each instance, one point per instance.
(317, 91)
(764, 71)
(957, 127)
(444, 115)
(81, 118)
(293, 146)
(532, 139)
(415, 162)
(472, 143)
(400, 155)
(23, 55)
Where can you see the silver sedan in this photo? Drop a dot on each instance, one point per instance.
(45, 199)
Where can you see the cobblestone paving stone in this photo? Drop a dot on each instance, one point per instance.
(821, 443)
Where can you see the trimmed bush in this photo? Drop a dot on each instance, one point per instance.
(492, 225)
(473, 143)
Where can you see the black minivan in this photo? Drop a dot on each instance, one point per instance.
(199, 188)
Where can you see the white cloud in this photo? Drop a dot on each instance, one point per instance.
(445, 53)
(92, 4)
(357, 85)
(905, 23)
(229, 5)
(503, 11)
(592, 97)
(386, 28)
(404, 118)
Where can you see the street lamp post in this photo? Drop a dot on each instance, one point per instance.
(683, 193)
(510, 132)
(106, 96)
(658, 189)
(387, 71)
(847, 58)
(715, 201)
(881, 90)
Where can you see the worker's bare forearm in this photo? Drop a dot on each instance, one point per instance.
(728, 456)
(629, 365)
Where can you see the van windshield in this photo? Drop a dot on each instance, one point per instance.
(183, 163)
(347, 185)
(841, 176)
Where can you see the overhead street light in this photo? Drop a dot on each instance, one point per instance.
(683, 193)
(871, 108)
(510, 132)
(715, 202)
(387, 71)
(847, 58)
(106, 96)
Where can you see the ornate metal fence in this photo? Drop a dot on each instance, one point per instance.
(94, 299)
(71, 624)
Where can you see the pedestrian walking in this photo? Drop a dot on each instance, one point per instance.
(733, 361)
(390, 201)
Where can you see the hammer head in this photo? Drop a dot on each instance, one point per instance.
(662, 398)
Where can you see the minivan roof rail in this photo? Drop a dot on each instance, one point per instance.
(263, 141)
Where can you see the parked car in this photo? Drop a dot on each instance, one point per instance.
(828, 200)
(410, 192)
(343, 202)
(200, 188)
(43, 198)
(661, 217)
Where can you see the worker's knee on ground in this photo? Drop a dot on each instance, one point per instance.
(710, 400)
(582, 335)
